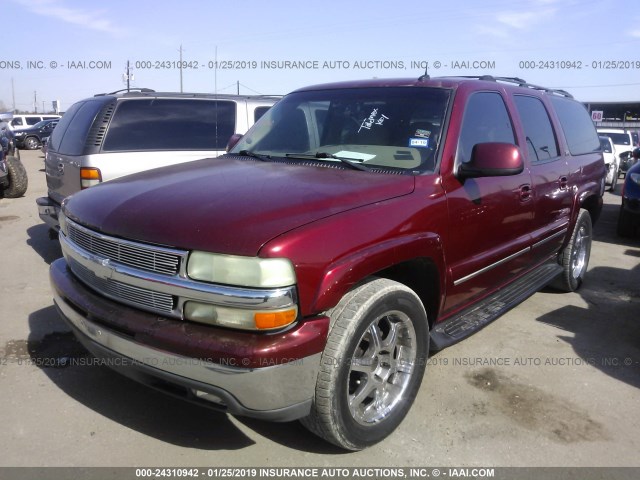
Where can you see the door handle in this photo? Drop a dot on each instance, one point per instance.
(525, 193)
(563, 182)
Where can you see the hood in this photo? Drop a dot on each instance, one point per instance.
(227, 205)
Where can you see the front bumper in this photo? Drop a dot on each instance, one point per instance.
(252, 374)
(631, 205)
(48, 211)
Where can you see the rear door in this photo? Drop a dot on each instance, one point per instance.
(549, 177)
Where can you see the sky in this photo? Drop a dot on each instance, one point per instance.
(67, 50)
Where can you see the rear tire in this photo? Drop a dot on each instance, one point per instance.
(372, 366)
(574, 259)
(17, 178)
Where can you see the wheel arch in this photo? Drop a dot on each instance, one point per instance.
(415, 261)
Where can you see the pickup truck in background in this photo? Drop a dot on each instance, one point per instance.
(353, 229)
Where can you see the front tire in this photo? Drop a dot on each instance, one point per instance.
(18, 180)
(31, 143)
(612, 177)
(574, 259)
(372, 366)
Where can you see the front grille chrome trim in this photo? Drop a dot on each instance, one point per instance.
(151, 258)
(179, 288)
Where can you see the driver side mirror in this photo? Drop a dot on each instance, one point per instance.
(492, 160)
(233, 140)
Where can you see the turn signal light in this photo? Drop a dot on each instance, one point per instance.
(267, 320)
(89, 177)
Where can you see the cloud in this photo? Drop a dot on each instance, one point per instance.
(635, 33)
(492, 31)
(524, 20)
(93, 20)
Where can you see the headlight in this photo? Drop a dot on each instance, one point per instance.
(241, 271)
(239, 318)
(635, 177)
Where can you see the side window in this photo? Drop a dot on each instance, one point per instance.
(577, 126)
(16, 122)
(33, 120)
(485, 120)
(56, 137)
(541, 141)
(75, 136)
(258, 112)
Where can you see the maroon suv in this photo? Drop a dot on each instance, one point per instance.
(357, 226)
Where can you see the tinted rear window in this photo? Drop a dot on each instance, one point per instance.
(170, 124)
(577, 126)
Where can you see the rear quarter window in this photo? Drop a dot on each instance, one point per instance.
(578, 128)
(73, 132)
(170, 124)
(259, 112)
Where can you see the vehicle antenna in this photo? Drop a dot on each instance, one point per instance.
(426, 73)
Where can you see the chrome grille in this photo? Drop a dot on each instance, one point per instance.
(135, 296)
(144, 257)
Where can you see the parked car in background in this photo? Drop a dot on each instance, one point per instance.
(32, 137)
(610, 160)
(623, 142)
(357, 226)
(13, 176)
(111, 135)
(21, 121)
(629, 217)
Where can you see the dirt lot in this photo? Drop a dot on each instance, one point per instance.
(555, 382)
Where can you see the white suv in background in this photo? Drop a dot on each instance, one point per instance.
(611, 161)
(111, 135)
(624, 142)
(21, 121)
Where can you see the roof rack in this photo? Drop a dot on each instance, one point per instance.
(142, 90)
(520, 82)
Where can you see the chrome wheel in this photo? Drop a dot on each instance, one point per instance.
(381, 367)
(31, 143)
(579, 255)
(372, 365)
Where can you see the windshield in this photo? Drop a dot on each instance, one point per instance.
(41, 123)
(619, 138)
(378, 128)
(605, 145)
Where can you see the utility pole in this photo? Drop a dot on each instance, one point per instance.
(35, 102)
(43, 106)
(13, 95)
(180, 68)
(238, 85)
(128, 76)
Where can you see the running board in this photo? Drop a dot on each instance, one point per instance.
(479, 315)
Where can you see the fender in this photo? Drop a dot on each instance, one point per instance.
(341, 275)
(588, 195)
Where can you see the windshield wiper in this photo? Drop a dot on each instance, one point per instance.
(249, 153)
(347, 161)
